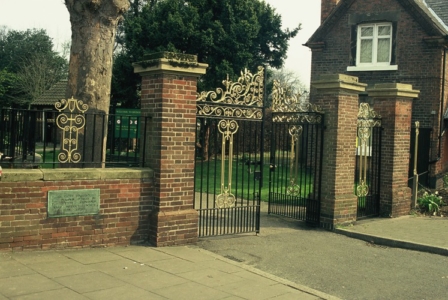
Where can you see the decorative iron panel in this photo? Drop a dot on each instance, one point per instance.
(295, 156)
(368, 162)
(229, 156)
(71, 121)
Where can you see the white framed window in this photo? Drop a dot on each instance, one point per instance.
(374, 47)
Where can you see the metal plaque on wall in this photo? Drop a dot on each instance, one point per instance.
(67, 203)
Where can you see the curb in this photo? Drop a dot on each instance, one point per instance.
(378, 240)
(280, 280)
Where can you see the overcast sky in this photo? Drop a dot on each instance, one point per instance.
(52, 15)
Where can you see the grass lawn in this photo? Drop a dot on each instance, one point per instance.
(208, 178)
(50, 160)
(244, 182)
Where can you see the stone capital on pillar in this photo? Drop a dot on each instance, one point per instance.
(168, 96)
(338, 96)
(339, 83)
(393, 90)
(170, 63)
(393, 102)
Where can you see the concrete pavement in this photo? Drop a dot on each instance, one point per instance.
(188, 272)
(425, 234)
(139, 272)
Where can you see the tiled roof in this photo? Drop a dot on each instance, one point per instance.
(53, 95)
(440, 7)
(432, 15)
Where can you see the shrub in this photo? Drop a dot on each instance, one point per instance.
(430, 202)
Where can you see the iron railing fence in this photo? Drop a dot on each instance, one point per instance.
(369, 203)
(229, 177)
(32, 139)
(296, 166)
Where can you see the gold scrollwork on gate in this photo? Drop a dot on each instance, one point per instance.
(367, 120)
(240, 99)
(294, 188)
(227, 128)
(289, 108)
(71, 121)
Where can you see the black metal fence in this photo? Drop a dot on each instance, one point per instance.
(296, 165)
(369, 205)
(228, 177)
(33, 139)
(229, 166)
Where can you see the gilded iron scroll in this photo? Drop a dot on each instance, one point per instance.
(367, 120)
(294, 188)
(242, 99)
(71, 121)
(288, 108)
(237, 101)
(227, 128)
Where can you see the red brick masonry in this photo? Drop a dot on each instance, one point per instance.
(125, 203)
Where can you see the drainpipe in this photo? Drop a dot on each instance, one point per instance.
(442, 105)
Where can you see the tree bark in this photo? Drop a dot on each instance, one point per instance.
(94, 24)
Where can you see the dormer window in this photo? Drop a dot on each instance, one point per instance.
(374, 48)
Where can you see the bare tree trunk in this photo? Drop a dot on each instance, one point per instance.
(94, 24)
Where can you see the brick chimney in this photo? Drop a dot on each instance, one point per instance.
(326, 8)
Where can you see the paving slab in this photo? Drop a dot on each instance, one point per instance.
(27, 284)
(178, 265)
(153, 279)
(140, 255)
(120, 267)
(124, 292)
(250, 289)
(60, 268)
(31, 257)
(12, 268)
(92, 256)
(211, 277)
(187, 253)
(89, 282)
(137, 272)
(192, 291)
(63, 293)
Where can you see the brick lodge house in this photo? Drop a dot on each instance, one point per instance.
(393, 41)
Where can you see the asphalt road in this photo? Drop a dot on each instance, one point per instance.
(335, 264)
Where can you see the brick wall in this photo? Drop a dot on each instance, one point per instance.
(125, 203)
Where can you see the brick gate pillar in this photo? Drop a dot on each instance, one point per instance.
(393, 101)
(337, 95)
(168, 95)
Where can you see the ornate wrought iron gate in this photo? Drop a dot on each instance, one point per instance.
(229, 156)
(296, 157)
(368, 162)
